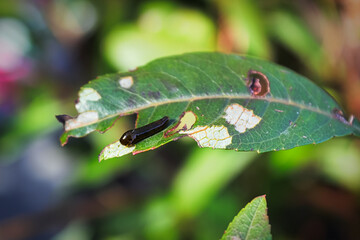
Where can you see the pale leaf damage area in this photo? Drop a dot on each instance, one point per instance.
(186, 121)
(84, 118)
(241, 117)
(86, 94)
(126, 82)
(115, 149)
(214, 136)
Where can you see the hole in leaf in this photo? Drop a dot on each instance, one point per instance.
(258, 83)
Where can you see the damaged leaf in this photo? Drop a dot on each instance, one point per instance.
(131, 137)
(220, 100)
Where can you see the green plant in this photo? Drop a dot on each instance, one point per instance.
(222, 101)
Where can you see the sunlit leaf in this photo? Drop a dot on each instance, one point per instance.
(203, 176)
(251, 223)
(162, 29)
(221, 101)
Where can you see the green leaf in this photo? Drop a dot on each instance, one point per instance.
(252, 222)
(209, 174)
(221, 101)
(153, 35)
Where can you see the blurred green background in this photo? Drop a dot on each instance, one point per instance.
(49, 48)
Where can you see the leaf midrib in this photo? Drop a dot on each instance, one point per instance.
(252, 220)
(196, 98)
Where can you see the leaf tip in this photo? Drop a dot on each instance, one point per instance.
(62, 118)
(64, 139)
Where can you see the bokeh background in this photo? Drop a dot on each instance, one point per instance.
(49, 48)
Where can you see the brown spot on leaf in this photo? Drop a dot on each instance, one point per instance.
(339, 115)
(258, 83)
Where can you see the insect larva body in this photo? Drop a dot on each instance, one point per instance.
(131, 137)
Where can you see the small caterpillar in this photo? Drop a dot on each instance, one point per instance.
(131, 137)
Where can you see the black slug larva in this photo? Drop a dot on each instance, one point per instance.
(131, 137)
